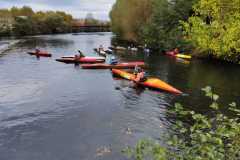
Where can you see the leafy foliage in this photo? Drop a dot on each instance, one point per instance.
(209, 137)
(163, 31)
(152, 22)
(214, 28)
(128, 16)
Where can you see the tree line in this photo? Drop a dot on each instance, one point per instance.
(208, 28)
(24, 21)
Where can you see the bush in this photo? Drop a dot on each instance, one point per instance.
(208, 138)
(214, 29)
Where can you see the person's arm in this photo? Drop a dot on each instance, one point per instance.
(81, 54)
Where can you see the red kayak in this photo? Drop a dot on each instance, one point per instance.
(153, 83)
(81, 60)
(73, 56)
(170, 53)
(40, 54)
(127, 65)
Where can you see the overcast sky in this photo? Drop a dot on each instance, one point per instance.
(78, 8)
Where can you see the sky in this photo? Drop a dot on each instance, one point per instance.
(78, 8)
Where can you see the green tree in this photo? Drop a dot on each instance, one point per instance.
(6, 21)
(214, 29)
(152, 22)
(24, 21)
(26, 11)
(127, 17)
(163, 30)
(23, 26)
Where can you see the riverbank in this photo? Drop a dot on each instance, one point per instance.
(164, 26)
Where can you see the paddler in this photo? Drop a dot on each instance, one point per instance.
(140, 77)
(176, 51)
(113, 61)
(37, 51)
(101, 48)
(78, 56)
(136, 70)
(173, 52)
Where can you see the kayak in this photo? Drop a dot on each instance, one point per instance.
(103, 53)
(118, 48)
(179, 55)
(183, 56)
(128, 65)
(81, 60)
(73, 56)
(133, 49)
(153, 83)
(40, 54)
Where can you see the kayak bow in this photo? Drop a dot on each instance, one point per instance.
(40, 54)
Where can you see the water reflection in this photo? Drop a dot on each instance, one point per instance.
(49, 110)
(43, 42)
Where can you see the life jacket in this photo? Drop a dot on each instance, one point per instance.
(140, 76)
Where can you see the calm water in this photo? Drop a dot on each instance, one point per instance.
(53, 111)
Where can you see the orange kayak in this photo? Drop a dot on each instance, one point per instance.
(153, 83)
(40, 54)
(127, 65)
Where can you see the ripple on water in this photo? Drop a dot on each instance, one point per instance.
(19, 93)
(145, 110)
(49, 110)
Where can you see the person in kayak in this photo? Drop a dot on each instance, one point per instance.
(37, 51)
(136, 70)
(175, 51)
(78, 56)
(140, 77)
(101, 48)
(113, 61)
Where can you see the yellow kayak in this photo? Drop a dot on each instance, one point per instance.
(183, 56)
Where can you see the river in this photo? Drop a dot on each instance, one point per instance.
(54, 111)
